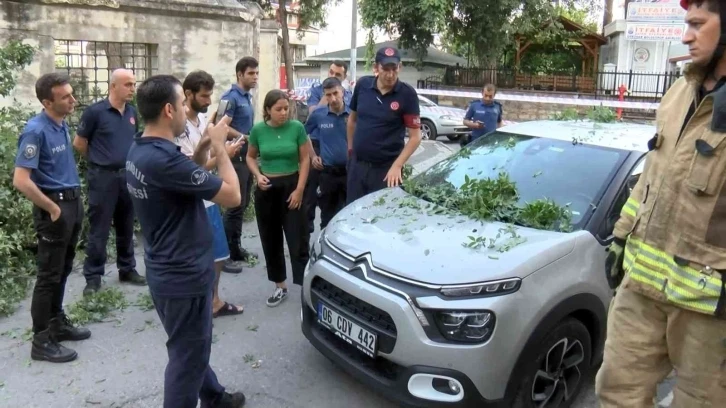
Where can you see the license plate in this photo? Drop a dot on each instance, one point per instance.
(347, 329)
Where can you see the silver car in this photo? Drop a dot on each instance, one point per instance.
(441, 121)
(400, 295)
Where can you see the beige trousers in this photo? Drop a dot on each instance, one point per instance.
(647, 339)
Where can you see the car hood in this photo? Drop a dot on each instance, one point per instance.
(405, 238)
(440, 111)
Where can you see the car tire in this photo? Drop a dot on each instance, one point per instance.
(427, 124)
(556, 381)
(454, 138)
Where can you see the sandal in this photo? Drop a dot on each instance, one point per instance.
(228, 310)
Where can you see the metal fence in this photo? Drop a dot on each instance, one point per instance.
(642, 85)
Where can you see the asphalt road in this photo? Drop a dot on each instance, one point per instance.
(262, 352)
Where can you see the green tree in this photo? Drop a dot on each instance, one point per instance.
(485, 29)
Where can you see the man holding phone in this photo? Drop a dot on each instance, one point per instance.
(239, 108)
(484, 116)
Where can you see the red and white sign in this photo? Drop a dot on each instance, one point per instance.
(657, 12)
(394, 105)
(654, 32)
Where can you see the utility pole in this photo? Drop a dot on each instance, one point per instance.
(353, 38)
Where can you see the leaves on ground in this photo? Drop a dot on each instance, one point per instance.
(144, 302)
(98, 306)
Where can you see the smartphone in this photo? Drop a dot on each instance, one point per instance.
(237, 139)
(220, 110)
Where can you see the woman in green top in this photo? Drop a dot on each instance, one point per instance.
(284, 160)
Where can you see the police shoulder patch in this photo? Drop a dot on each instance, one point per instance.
(30, 151)
(199, 177)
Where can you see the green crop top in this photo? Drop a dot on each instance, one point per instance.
(279, 146)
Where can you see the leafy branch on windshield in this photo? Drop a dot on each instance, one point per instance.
(494, 200)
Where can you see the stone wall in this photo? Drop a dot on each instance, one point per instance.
(187, 35)
(518, 111)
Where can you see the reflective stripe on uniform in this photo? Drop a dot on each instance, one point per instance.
(630, 208)
(683, 285)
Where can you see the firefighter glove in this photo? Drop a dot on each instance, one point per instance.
(614, 263)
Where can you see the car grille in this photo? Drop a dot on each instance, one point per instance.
(378, 320)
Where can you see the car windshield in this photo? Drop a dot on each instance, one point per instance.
(570, 176)
(425, 102)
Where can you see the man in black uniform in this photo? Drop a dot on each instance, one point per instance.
(46, 173)
(168, 189)
(104, 136)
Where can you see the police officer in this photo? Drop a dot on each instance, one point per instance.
(242, 112)
(46, 173)
(168, 190)
(104, 136)
(329, 123)
(382, 108)
(483, 116)
(338, 69)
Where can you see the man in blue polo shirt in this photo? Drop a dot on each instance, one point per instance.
(338, 69)
(382, 108)
(168, 190)
(242, 112)
(46, 173)
(484, 116)
(329, 123)
(104, 137)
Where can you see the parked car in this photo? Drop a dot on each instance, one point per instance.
(396, 294)
(441, 121)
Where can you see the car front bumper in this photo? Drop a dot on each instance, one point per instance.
(449, 128)
(410, 356)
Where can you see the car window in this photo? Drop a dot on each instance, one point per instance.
(621, 199)
(573, 175)
(425, 102)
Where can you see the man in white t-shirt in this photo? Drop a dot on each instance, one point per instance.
(198, 87)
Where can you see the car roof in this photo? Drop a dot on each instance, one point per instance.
(624, 136)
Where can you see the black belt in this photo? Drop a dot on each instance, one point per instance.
(375, 164)
(114, 169)
(68, 194)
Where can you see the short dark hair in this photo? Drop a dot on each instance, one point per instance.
(342, 64)
(712, 5)
(490, 88)
(45, 84)
(198, 80)
(153, 94)
(244, 63)
(271, 99)
(331, 82)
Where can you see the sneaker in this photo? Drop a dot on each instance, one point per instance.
(278, 296)
(132, 277)
(231, 266)
(236, 400)
(46, 348)
(62, 329)
(92, 286)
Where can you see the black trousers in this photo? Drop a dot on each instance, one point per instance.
(188, 376)
(56, 252)
(275, 218)
(233, 217)
(333, 192)
(365, 178)
(109, 203)
(311, 198)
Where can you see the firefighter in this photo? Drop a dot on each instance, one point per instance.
(668, 260)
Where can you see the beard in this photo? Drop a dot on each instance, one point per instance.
(197, 107)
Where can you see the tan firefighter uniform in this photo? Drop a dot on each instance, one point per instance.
(669, 311)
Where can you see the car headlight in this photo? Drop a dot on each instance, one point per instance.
(497, 288)
(465, 326)
(446, 117)
(316, 249)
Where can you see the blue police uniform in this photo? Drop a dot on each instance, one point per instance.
(489, 114)
(110, 134)
(379, 133)
(242, 112)
(44, 147)
(312, 187)
(332, 138)
(167, 190)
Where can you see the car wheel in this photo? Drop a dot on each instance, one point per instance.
(555, 377)
(454, 138)
(428, 130)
